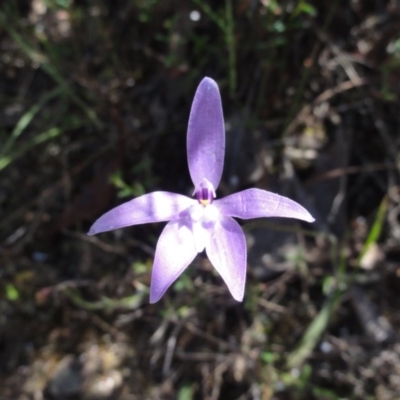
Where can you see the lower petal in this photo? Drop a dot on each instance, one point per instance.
(227, 253)
(202, 220)
(174, 252)
(200, 236)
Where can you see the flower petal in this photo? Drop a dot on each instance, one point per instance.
(151, 207)
(206, 134)
(227, 253)
(202, 221)
(200, 235)
(175, 251)
(257, 203)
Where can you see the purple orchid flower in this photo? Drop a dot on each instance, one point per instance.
(201, 223)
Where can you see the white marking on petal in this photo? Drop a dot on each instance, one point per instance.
(202, 221)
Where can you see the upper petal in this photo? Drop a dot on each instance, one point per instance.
(206, 134)
(227, 253)
(174, 252)
(151, 207)
(257, 203)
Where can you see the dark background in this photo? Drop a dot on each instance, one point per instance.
(94, 104)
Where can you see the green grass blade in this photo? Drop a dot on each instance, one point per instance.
(51, 70)
(211, 14)
(314, 332)
(376, 228)
(38, 139)
(27, 118)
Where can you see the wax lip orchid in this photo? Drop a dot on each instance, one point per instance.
(202, 222)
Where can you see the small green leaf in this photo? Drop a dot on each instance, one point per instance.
(279, 26)
(12, 293)
(309, 9)
(184, 283)
(268, 357)
(185, 393)
(140, 267)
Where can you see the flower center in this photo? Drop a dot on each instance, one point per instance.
(205, 192)
(202, 220)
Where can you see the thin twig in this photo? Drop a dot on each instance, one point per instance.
(356, 169)
(323, 97)
(169, 353)
(108, 248)
(343, 60)
(271, 306)
(198, 332)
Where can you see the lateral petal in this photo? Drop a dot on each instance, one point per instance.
(257, 203)
(206, 135)
(151, 207)
(174, 252)
(227, 253)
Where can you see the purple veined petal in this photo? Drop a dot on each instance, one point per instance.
(257, 203)
(227, 253)
(151, 207)
(174, 252)
(206, 134)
